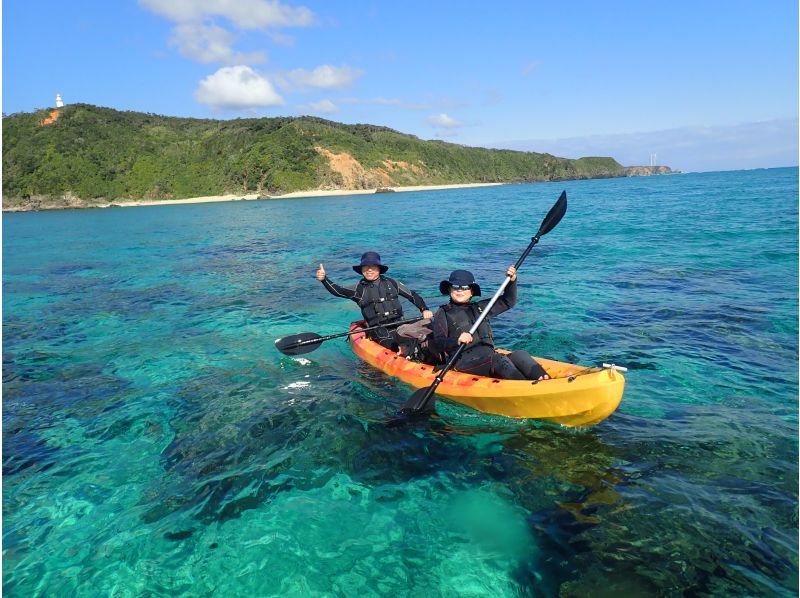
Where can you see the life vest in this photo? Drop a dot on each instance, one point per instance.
(379, 301)
(460, 318)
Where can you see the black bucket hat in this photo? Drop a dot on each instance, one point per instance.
(370, 258)
(460, 278)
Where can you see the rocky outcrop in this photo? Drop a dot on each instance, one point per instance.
(34, 203)
(648, 170)
(352, 175)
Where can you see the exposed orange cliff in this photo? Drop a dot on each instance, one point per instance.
(53, 117)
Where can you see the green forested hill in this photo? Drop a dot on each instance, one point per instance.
(92, 154)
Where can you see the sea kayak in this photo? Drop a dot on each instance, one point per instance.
(575, 396)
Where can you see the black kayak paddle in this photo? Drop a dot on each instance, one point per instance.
(422, 401)
(305, 342)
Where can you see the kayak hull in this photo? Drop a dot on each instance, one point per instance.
(575, 396)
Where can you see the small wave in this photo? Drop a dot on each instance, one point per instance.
(298, 384)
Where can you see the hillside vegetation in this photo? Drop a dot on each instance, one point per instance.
(83, 155)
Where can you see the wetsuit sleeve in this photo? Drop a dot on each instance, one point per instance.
(412, 296)
(338, 291)
(506, 301)
(441, 332)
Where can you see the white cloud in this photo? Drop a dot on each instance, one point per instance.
(528, 68)
(445, 125)
(444, 121)
(244, 14)
(237, 88)
(209, 43)
(321, 107)
(199, 38)
(281, 39)
(379, 101)
(324, 77)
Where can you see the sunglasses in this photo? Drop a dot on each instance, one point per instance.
(463, 287)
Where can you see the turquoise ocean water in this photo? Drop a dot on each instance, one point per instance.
(155, 443)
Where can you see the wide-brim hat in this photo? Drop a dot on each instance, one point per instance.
(460, 278)
(370, 258)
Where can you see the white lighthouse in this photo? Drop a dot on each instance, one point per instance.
(59, 101)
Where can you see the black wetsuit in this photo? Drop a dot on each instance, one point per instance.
(479, 356)
(379, 301)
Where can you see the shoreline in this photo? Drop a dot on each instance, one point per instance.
(253, 197)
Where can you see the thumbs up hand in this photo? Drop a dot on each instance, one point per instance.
(321, 273)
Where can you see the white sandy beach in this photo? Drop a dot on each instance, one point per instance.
(126, 203)
(296, 194)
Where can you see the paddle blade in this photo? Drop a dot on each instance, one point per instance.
(406, 416)
(554, 216)
(415, 404)
(298, 344)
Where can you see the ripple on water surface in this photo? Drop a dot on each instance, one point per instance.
(155, 442)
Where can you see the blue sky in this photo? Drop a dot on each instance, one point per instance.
(704, 85)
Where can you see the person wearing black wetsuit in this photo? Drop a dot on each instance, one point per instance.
(378, 296)
(452, 323)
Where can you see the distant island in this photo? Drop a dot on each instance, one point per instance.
(649, 170)
(88, 156)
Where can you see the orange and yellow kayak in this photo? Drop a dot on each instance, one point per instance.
(574, 396)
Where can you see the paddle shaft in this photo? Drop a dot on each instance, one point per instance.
(485, 312)
(341, 334)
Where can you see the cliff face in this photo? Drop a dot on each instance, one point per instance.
(648, 170)
(51, 118)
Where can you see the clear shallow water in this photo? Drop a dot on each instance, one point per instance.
(156, 443)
